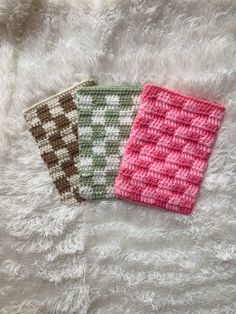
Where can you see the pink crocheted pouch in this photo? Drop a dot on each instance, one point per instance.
(168, 149)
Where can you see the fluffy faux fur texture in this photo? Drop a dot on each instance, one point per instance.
(13, 16)
(112, 256)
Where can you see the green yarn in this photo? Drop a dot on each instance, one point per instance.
(105, 117)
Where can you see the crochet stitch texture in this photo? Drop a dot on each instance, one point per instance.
(53, 124)
(105, 117)
(168, 150)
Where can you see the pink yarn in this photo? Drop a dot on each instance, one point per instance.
(168, 149)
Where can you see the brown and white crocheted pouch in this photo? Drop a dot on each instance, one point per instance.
(53, 124)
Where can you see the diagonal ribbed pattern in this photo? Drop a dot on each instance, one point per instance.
(105, 117)
(168, 149)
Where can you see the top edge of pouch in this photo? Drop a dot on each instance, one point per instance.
(107, 88)
(152, 90)
(71, 88)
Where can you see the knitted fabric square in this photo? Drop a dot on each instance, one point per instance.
(168, 150)
(105, 117)
(53, 124)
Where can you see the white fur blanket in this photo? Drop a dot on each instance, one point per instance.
(112, 256)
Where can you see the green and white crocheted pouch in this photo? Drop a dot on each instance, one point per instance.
(105, 117)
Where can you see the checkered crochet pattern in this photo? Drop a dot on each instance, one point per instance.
(168, 150)
(53, 124)
(105, 117)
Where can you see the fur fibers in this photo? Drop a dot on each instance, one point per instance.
(114, 256)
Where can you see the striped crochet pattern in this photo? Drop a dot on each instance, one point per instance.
(105, 117)
(168, 150)
(53, 124)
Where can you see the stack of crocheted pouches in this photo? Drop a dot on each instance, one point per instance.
(105, 117)
(168, 150)
(147, 145)
(53, 124)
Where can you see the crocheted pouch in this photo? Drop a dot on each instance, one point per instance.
(105, 116)
(168, 150)
(53, 124)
